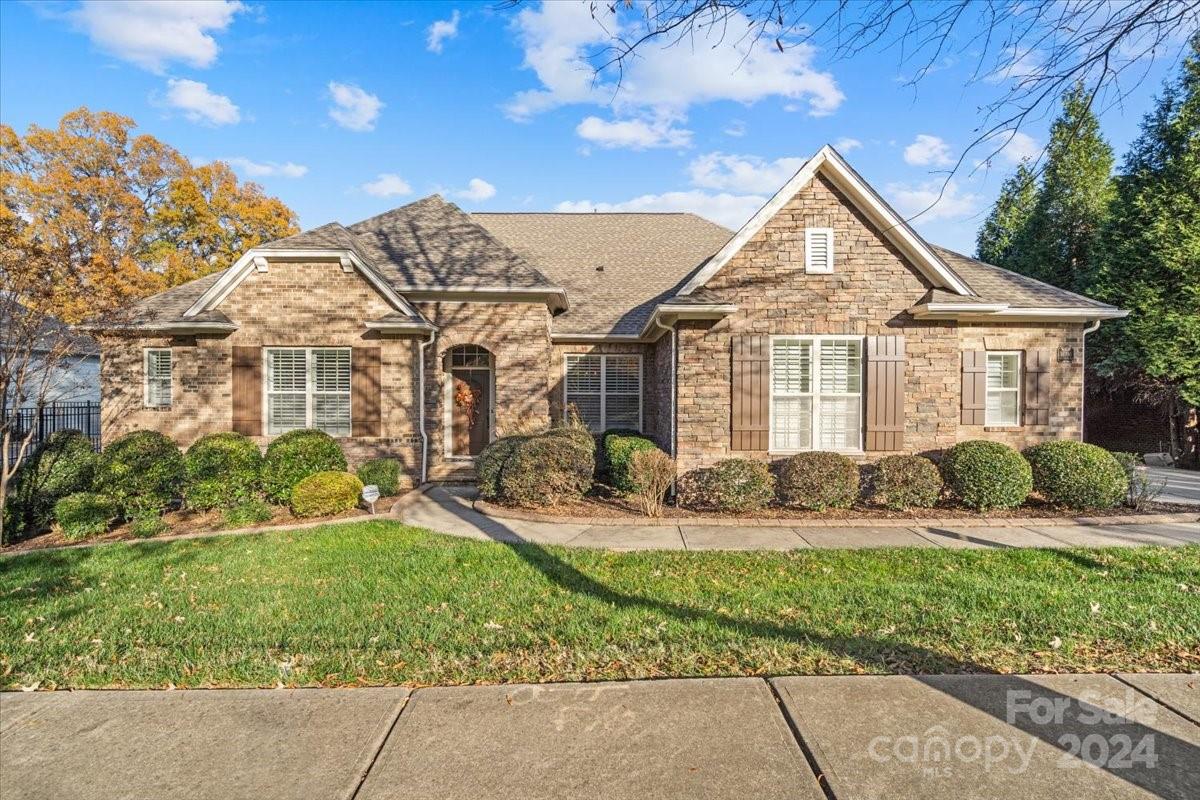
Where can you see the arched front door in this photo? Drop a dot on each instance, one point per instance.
(471, 387)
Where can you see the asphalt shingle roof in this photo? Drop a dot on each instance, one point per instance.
(998, 285)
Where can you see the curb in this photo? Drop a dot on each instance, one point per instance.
(501, 512)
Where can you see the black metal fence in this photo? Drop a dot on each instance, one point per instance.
(45, 420)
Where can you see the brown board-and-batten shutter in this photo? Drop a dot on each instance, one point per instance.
(364, 391)
(974, 387)
(1037, 387)
(750, 384)
(885, 393)
(247, 391)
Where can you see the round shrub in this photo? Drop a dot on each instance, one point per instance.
(490, 463)
(986, 475)
(818, 481)
(382, 472)
(618, 452)
(325, 493)
(142, 472)
(294, 456)
(223, 470)
(84, 514)
(1077, 475)
(732, 485)
(546, 469)
(63, 464)
(907, 482)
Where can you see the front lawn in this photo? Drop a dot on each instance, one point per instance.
(381, 603)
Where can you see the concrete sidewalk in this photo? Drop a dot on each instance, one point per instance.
(450, 510)
(848, 738)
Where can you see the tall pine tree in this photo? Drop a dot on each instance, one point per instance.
(1009, 217)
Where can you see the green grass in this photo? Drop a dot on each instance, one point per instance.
(380, 603)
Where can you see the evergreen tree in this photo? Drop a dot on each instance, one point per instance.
(1006, 223)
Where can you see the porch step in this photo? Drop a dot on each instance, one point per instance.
(452, 472)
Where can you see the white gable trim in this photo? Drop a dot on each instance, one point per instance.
(831, 164)
(256, 259)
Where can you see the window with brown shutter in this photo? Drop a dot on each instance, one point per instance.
(751, 396)
(974, 387)
(247, 390)
(885, 393)
(1037, 387)
(365, 391)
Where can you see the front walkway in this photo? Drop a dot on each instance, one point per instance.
(1179, 485)
(449, 510)
(806, 738)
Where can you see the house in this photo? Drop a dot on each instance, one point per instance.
(825, 323)
(56, 364)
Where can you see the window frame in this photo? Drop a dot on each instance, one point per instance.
(988, 422)
(170, 379)
(808, 262)
(310, 390)
(816, 394)
(641, 393)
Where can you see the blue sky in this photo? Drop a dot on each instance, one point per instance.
(345, 110)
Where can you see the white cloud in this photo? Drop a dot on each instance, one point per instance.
(927, 150)
(637, 134)
(729, 210)
(1016, 65)
(1015, 146)
(440, 31)
(559, 37)
(199, 104)
(736, 129)
(846, 144)
(912, 199)
(354, 108)
(387, 184)
(744, 174)
(267, 169)
(477, 190)
(154, 34)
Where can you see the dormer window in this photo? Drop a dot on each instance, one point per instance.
(818, 250)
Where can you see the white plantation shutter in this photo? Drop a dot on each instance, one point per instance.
(158, 378)
(791, 392)
(818, 250)
(1003, 389)
(331, 391)
(791, 366)
(841, 394)
(308, 388)
(816, 393)
(583, 389)
(606, 390)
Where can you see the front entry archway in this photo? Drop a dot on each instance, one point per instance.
(470, 392)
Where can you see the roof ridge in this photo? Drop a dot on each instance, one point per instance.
(423, 200)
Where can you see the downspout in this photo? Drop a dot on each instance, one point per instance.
(421, 406)
(674, 358)
(1083, 380)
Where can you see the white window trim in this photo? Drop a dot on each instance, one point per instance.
(808, 237)
(146, 377)
(309, 390)
(603, 387)
(816, 394)
(988, 422)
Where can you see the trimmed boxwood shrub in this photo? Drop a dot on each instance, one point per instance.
(294, 456)
(491, 462)
(907, 482)
(84, 514)
(618, 452)
(63, 464)
(546, 469)
(731, 485)
(245, 514)
(325, 493)
(986, 475)
(1077, 475)
(143, 526)
(223, 470)
(382, 472)
(818, 481)
(142, 471)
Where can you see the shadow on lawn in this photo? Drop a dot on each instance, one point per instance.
(892, 655)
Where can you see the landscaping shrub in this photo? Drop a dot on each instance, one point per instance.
(84, 514)
(1142, 490)
(618, 452)
(63, 464)
(907, 482)
(546, 469)
(146, 525)
(650, 472)
(326, 493)
(245, 514)
(384, 473)
(490, 463)
(573, 428)
(296, 455)
(986, 475)
(142, 471)
(223, 469)
(732, 485)
(818, 481)
(1077, 475)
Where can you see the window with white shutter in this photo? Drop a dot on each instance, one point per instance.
(308, 388)
(816, 393)
(1003, 389)
(818, 250)
(157, 366)
(605, 390)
